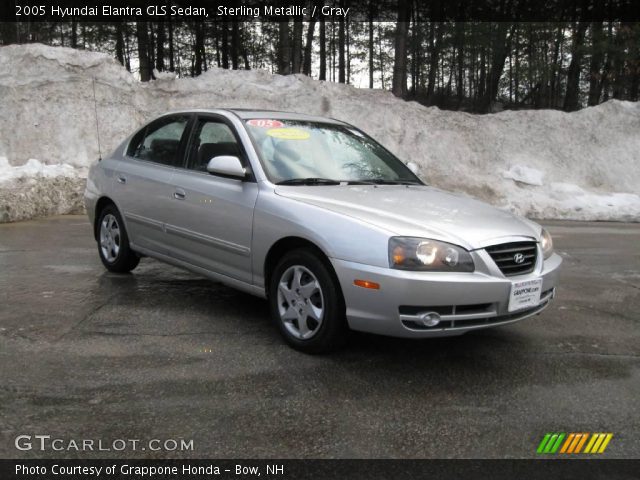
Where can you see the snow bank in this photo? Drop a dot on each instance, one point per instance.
(37, 190)
(544, 163)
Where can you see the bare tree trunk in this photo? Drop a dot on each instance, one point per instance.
(554, 80)
(435, 42)
(597, 56)
(323, 50)
(74, 34)
(500, 50)
(619, 68)
(399, 87)
(235, 45)
(341, 50)
(172, 66)
(284, 49)
(225, 45)
(571, 98)
(142, 34)
(200, 62)
(296, 60)
(308, 47)
(371, 48)
(160, 39)
(127, 48)
(381, 56)
(119, 43)
(516, 72)
(460, 38)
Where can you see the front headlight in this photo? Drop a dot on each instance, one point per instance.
(546, 243)
(412, 253)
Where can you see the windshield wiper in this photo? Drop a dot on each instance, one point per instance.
(309, 181)
(381, 181)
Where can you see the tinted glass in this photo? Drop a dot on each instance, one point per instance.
(160, 141)
(211, 138)
(299, 149)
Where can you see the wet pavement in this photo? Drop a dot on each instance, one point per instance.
(164, 354)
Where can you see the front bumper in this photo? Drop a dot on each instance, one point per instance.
(464, 301)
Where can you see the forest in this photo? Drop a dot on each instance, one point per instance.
(406, 46)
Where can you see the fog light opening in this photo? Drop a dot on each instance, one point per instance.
(430, 319)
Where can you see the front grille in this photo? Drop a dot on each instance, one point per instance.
(505, 257)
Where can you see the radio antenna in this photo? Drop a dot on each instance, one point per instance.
(95, 108)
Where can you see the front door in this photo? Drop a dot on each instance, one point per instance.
(210, 222)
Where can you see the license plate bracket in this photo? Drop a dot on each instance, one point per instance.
(525, 294)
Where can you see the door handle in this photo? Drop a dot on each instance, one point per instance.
(179, 194)
(122, 179)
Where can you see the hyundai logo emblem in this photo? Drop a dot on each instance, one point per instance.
(518, 258)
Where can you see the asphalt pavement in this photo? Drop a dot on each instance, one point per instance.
(166, 355)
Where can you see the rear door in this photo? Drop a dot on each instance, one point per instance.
(210, 222)
(143, 183)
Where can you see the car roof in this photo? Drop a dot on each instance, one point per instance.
(246, 113)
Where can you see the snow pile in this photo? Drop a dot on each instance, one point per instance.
(36, 190)
(524, 174)
(544, 163)
(35, 168)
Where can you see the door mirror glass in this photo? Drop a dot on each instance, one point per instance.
(227, 166)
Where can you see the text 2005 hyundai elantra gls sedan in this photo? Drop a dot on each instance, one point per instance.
(316, 216)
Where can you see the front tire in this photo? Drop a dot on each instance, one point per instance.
(113, 242)
(306, 303)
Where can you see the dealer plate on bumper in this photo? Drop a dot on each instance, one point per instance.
(525, 294)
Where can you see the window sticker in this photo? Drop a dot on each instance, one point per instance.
(288, 133)
(265, 123)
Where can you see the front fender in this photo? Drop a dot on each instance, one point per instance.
(338, 236)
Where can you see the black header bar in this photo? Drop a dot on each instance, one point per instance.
(353, 10)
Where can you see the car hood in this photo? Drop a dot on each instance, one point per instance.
(419, 211)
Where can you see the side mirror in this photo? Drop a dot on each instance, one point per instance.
(227, 166)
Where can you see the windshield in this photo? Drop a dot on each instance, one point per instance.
(315, 153)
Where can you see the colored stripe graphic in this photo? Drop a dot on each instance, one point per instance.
(598, 443)
(550, 443)
(573, 445)
(592, 440)
(606, 441)
(567, 443)
(581, 443)
(543, 443)
(575, 442)
(554, 449)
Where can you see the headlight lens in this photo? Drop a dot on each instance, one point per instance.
(546, 243)
(412, 253)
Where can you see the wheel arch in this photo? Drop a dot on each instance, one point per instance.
(102, 203)
(287, 244)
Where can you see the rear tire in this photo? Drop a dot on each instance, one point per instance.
(306, 303)
(113, 242)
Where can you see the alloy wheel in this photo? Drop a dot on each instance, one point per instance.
(300, 302)
(110, 238)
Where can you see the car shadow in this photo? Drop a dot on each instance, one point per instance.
(502, 358)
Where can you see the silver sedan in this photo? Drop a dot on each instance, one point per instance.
(320, 219)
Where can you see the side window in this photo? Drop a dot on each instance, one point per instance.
(211, 138)
(160, 141)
